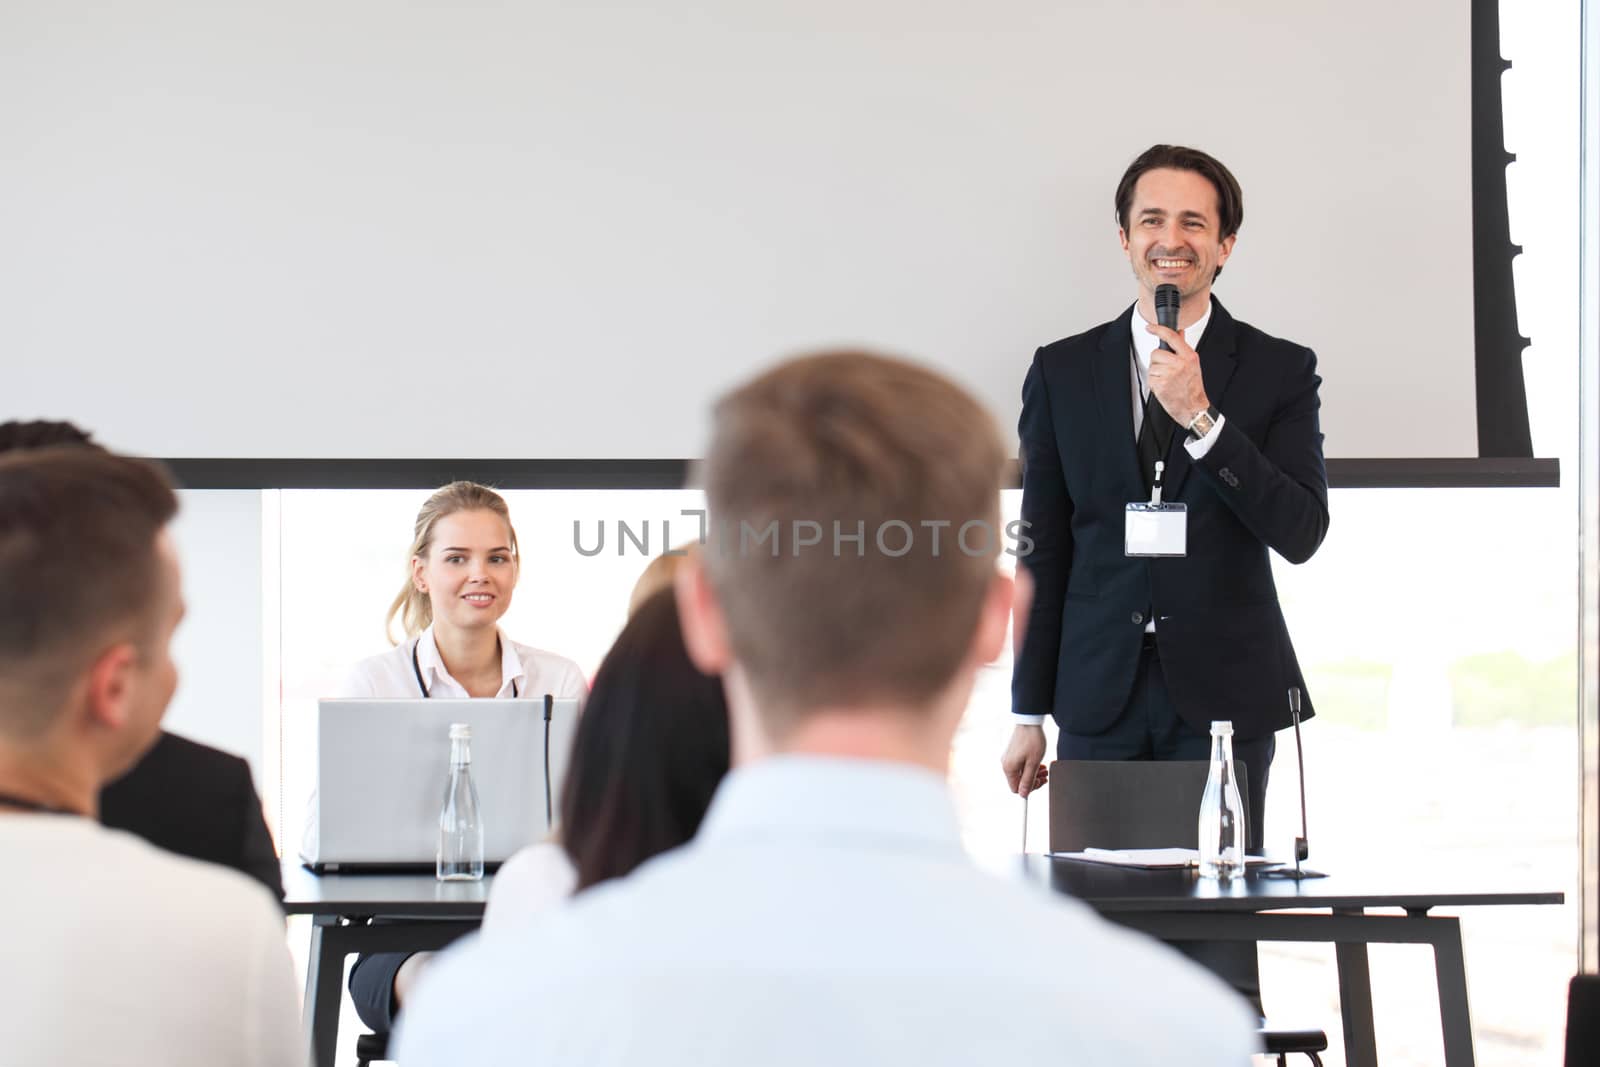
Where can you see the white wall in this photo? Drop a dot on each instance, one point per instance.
(350, 228)
(218, 647)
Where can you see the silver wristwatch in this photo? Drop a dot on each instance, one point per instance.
(1202, 423)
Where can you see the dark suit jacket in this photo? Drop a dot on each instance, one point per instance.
(1225, 650)
(196, 801)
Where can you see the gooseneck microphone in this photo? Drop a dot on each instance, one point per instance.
(1167, 301)
(1302, 848)
(1302, 845)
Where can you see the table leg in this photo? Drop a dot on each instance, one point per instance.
(1451, 967)
(1355, 1000)
(324, 989)
(1351, 930)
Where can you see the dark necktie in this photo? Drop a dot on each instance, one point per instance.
(1155, 434)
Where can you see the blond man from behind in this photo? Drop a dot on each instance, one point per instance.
(826, 912)
(116, 952)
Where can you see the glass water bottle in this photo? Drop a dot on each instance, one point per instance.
(1222, 830)
(460, 856)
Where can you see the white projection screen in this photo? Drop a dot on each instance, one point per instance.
(545, 230)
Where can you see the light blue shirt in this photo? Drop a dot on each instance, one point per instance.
(825, 914)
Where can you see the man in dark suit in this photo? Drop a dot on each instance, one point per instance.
(1135, 656)
(197, 801)
(182, 796)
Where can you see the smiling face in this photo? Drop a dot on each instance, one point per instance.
(1173, 235)
(469, 571)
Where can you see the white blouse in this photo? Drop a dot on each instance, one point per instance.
(536, 879)
(525, 671)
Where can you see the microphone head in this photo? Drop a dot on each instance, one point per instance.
(1167, 301)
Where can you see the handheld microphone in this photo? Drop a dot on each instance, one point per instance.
(1167, 301)
(1302, 848)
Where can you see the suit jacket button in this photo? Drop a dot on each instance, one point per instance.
(1138, 617)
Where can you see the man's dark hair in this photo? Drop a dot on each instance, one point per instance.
(651, 747)
(40, 433)
(78, 568)
(1230, 198)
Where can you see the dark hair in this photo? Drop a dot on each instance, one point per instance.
(40, 433)
(651, 747)
(77, 566)
(1230, 198)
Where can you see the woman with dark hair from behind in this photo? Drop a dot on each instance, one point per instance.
(650, 750)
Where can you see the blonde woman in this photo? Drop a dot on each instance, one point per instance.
(657, 575)
(459, 580)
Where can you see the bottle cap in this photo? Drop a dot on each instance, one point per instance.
(460, 731)
(1219, 728)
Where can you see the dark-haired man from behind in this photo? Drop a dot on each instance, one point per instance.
(117, 951)
(826, 911)
(183, 796)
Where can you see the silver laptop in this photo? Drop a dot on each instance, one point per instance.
(382, 767)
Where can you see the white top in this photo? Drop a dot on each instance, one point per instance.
(531, 672)
(824, 914)
(120, 953)
(536, 879)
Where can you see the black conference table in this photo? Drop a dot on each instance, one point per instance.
(1179, 905)
(353, 913)
(417, 913)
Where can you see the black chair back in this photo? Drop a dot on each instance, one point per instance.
(1130, 804)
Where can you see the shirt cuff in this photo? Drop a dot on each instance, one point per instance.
(1198, 449)
(1029, 720)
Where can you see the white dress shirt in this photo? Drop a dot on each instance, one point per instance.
(825, 913)
(531, 672)
(118, 952)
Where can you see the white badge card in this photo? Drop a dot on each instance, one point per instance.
(1157, 530)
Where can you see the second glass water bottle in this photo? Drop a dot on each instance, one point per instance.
(1222, 828)
(460, 856)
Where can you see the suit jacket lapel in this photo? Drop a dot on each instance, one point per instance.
(1217, 361)
(1113, 393)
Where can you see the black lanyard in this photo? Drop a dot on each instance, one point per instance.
(416, 668)
(32, 805)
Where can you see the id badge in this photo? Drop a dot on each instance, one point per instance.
(1156, 529)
